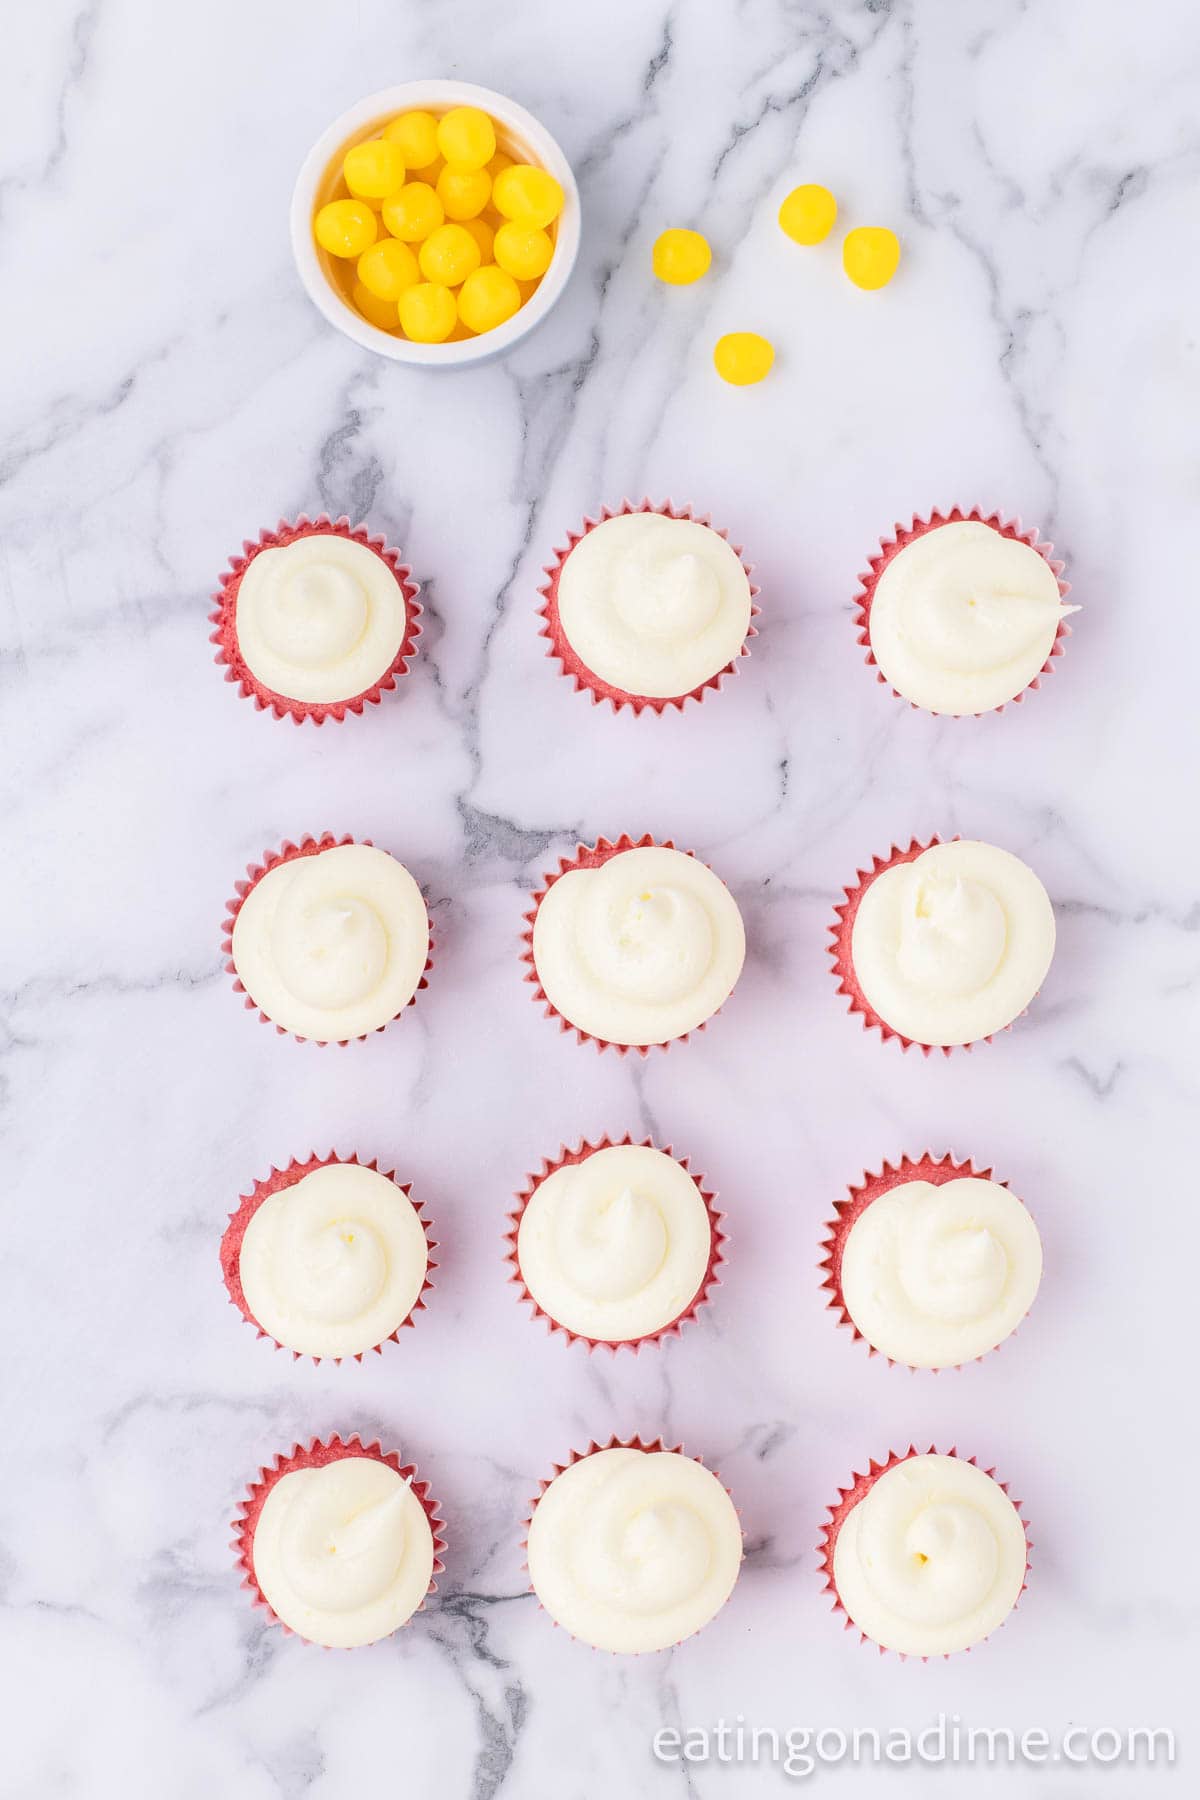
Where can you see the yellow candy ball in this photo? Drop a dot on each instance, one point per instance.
(416, 135)
(527, 195)
(808, 213)
(680, 256)
(387, 268)
(742, 357)
(345, 227)
(449, 255)
(376, 311)
(488, 298)
(427, 313)
(871, 255)
(523, 250)
(463, 192)
(466, 137)
(413, 213)
(374, 169)
(484, 236)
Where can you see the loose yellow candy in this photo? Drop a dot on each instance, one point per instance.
(523, 250)
(387, 268)
(374, 169)
(345, 227)
(414, 212)
(376, 311)
(680, 256)
(427, 313)
(484, 236)
(466, 137)
(871, 255)
(449, 255)
(528, 195)
(463, 192)
(416, 135)
(807, 215)
(742, 357)
(488, 298)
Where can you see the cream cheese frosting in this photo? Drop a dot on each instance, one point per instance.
(952, 946)
(963, 618)
(320, 619)
(332, 945)
(616, 1246)
(343, 1553)
(334, 1264)
(652, 605)
(640, 950)
(932, 1558)
(936, 1274)
(632, 1550)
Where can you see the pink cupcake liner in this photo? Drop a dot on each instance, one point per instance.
(848, 1499)
(586, 681)
(308, 846)
(316, 1456)
(711, 1279)
(907, 534)
(278, 1179)
(224, 618)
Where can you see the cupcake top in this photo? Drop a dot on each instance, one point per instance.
(963, 617)
(333, 944)
(951, 946)
(654, 606)
(934, 1274)
(641, 949)
(632, 1550)
(615, 1247)
(343, 1553)
(932, 1558)
(334, 1263)
(321, 619)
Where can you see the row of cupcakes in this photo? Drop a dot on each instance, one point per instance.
(648, 607)
(631, 1546)
(635, 944)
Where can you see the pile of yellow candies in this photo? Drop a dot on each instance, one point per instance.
(447, 235)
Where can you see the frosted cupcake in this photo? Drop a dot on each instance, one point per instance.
(634, 945)
(963, 613)
(926, 1555)
(648, 607)
(632, 1548)
(943, 944)
(328, 940)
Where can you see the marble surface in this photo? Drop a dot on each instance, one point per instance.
(167, 389)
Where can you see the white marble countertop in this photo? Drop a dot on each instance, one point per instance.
(167, 389)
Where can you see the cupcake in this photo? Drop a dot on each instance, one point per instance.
(616, 1243)
(634, 944)
(925, 1555)
(648, 607)
(315, 619)
(932, 1263)
(632, 1547)
(339, 1542)
(328, 1257)
(943, 944)
(328, 940)
(963, 613)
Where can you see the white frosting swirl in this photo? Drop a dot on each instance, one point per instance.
(932, 1558)
(652, 605)
(332, 945)
(953, 945)
(640, 950)
(333, 1264)
(616, 1246)
(936, 1274)
(632, 1550)
(963, 618)
(343, 1553)
(320, 619)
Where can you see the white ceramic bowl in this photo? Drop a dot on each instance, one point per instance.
(433, 96)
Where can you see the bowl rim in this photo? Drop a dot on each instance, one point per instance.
(411, 96)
